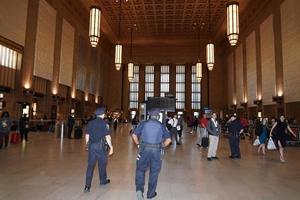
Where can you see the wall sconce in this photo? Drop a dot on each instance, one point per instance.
(244, 104)
(86, 98)
(27, 85)
(28, 92)
(277, 99)
(1, 95)
(54, 91)
(257, 102)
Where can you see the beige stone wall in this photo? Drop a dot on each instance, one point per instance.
(66, 57)
(44, 49)
(290, 23)
(230, 79)
(267, 60)
(251, 68)
(239, 74)
(13, 16)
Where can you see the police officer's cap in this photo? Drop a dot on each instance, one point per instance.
(154, 112)
(100, 111)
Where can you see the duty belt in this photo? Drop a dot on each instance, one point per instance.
(148, 145)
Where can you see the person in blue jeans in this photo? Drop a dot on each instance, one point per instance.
(151, 137)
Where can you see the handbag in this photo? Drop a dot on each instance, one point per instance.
(271, 145)
(256, 142)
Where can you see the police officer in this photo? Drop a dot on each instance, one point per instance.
(151, 137)
(235, 128)
(97, 133)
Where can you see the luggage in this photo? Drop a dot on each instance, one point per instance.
(78, 133)
(15, 138)
(204, 142)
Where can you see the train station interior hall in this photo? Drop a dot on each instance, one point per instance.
(173, 63)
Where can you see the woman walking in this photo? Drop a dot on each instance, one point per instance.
(280, 135)
(262, 136)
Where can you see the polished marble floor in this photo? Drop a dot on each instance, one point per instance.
(48, 168)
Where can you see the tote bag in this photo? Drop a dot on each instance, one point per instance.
(256, 142)
(271, 145)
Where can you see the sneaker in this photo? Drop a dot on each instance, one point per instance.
(139, 195)
(105, 182)
(209, 159)
(154, 195)
(86, 189)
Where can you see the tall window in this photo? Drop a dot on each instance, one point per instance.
(134, 89)
(8, 57)
(164, 79)
(196, 90)
(149, 81)
(180, 86)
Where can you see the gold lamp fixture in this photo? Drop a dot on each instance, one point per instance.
(233, 22)
(118, 48)
(94, 29)
(210, 49)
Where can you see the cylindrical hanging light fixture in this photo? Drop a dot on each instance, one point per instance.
(118, 56)
(233, 22)
(210, 56)
(130, 71)
(199, 71)
(118, 49)
(94, 31)
(210, 48)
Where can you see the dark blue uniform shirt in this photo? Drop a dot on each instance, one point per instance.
(234, 127)
(152, 132)
(97, 129)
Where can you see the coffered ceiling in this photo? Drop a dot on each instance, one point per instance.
(164, 20)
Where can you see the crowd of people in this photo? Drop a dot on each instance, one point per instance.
(151, 137)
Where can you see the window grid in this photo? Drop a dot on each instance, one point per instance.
(180, 86)
(196, 90)
(8, 57)
(149, 81)
(134, 89)
(164, 80)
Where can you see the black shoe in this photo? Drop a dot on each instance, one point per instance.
(238, 157)
(232, 157)
(198, 145)
(178, 143)
(154, 195)
(87, 189)
(216, 158)
(105, 182)
(209, 159)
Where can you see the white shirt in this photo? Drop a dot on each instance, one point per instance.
(173, 122)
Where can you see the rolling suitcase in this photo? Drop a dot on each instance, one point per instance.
(204, 142)
(78, 133)
(15, 138)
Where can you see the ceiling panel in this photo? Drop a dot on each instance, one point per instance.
(157, 19)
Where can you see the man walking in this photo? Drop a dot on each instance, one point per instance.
(202, 131)
(151, 137)
(214, 129)
(96, 137)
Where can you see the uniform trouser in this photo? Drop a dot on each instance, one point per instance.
(148, 158)
(24, 135)
(234, 142)
(213, 146)
(96, 153)
(5, 137)
(202, 132)
(179, 132)
(70, 129)
(173, 133)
